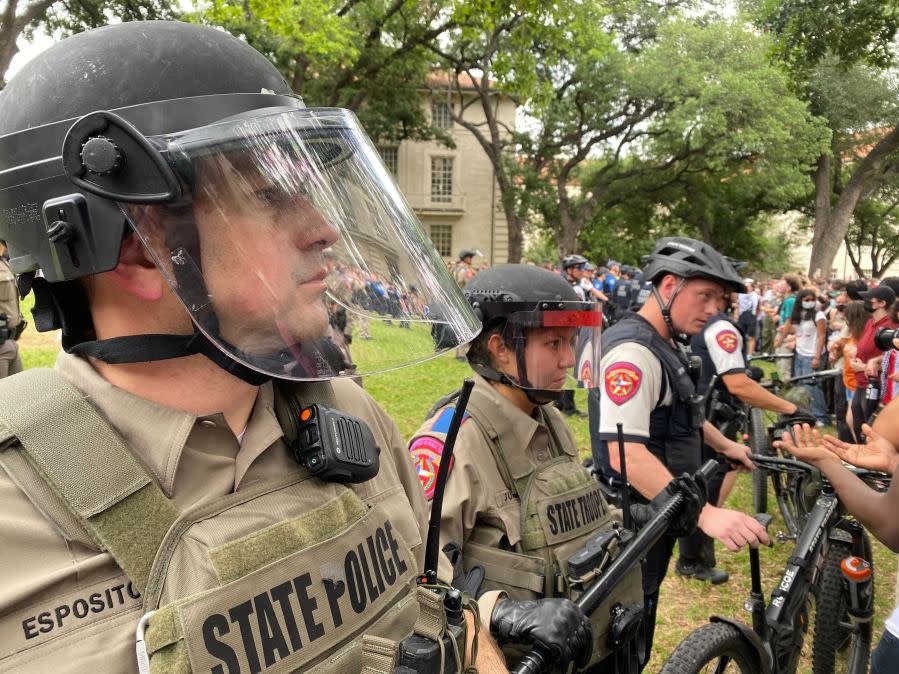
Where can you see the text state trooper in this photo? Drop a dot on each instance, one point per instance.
(518, 503)
(181, 235)
(645, 385)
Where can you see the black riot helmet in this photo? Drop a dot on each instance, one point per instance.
(189, 139)
(526, 304)
(688, 259)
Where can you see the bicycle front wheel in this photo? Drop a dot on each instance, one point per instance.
(839, 646)
(758, 444)
(716, 648)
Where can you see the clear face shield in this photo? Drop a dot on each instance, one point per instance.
(555, 348)
(293, 233)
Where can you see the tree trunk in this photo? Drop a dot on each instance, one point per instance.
(830, 232)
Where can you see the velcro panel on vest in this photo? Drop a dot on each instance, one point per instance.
(243, 555)
(88, 465)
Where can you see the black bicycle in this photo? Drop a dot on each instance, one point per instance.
(794, 498)
(845, 598)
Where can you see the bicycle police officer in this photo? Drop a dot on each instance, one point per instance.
(720, 348)
(518, 502)
(175, 474)
(645, 385)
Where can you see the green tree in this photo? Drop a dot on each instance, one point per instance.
(24, 17)
(369, 56)
(714, 138)
(823, 41)
(874, 232)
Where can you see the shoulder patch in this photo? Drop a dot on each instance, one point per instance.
(622, 381)
(442, 422)
(426, 452)
(586, 375)
(727, 340)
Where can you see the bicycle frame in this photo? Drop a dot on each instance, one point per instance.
(778, 628)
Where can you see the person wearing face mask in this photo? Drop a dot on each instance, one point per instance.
(868, 359)
(808, 324)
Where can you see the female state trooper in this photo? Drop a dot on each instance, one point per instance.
(645, 385)
(172, 204)
(518, 502)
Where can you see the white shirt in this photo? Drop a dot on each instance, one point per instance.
(631, 381)
(807, 334)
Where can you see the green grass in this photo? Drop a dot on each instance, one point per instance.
(408, 393)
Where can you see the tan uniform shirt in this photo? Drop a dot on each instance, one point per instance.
(9, 295)
(463, 273)
(475, 490)
(67, 608)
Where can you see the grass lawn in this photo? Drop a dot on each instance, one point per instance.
(408, 393)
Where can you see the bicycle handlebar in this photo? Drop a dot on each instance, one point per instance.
(537, 660)
(769, 356)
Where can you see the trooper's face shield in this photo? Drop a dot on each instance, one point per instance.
(556, 347)
(292, 232)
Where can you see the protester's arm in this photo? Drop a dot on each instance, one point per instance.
(887, 423)
(876, 511)
(820, 339)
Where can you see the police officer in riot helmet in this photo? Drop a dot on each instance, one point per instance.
(515, 450)
(171, 204)
(572, 270)
(645, 385)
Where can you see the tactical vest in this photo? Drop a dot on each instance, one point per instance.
(674, 437)
(282, 576)
(561, 507)
(622, 294)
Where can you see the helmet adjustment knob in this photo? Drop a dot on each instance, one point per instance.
(101, 156)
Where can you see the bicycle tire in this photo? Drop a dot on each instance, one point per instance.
(758, 444)
(833, 630)
(710, 644)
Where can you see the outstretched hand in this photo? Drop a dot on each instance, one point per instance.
(805, 443)
(877, 454)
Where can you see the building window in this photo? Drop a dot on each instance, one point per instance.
(442, 179)
(390, 155)
(442, 238)
(440, 115)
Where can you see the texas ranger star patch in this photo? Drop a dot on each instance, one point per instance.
(622, 381)
(426, 452)
(727, 340)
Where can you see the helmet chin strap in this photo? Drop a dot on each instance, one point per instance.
(666, 311)
(536, 396)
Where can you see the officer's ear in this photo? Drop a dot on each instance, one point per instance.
(135, 273)
(500, 354)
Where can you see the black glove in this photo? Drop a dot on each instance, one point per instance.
(684, 522)
(469, 581)
(558, 625)
(801, 414)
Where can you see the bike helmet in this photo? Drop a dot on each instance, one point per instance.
(573, 261)
(516, 299)
(688, 259)
(189, 139)
(468, 252)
